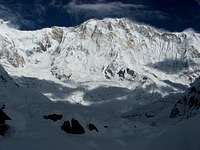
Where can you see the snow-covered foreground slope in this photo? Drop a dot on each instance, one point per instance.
(182, 137)
(28, 129)
(110, 72)
(143, 127)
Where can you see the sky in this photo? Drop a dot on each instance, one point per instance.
(172, 15)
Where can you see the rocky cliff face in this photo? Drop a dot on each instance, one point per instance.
(188, 105)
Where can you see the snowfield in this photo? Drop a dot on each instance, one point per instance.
(131, 81)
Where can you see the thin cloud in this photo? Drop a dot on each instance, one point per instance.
(74, 12)
(18, 15)
(198, 1)
(8, 15)
(101, 6)
(56, 3)
(102, 9)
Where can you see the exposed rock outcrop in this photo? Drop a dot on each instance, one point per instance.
(73, 127)
(53, 117)
(189, 104)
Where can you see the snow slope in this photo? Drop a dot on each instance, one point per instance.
(182, 137)
(28, 129)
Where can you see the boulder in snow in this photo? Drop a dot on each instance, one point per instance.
(73, 128)
(53, 117)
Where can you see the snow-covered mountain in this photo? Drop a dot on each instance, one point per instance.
(129, 77)
(109, 48)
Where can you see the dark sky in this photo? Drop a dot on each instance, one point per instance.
(173, 15)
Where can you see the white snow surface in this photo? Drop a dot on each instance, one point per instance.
(76, 71)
